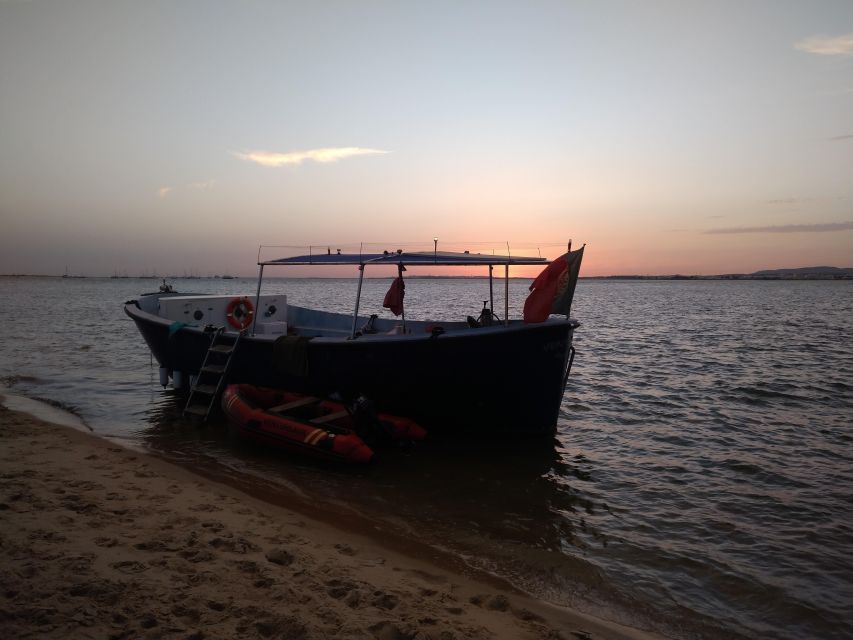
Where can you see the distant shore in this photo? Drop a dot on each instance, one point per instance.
(818, 273)
(101, 541)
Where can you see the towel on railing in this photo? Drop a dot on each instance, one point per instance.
(290, 355)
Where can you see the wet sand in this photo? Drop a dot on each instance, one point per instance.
(98, 541)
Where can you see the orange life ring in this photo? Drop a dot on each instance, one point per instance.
(240, 312)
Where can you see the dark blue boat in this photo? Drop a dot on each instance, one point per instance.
(431, 371)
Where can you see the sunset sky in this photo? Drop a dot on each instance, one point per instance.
(670, 137)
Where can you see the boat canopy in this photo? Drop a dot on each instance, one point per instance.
(400, 258)
(442, 258)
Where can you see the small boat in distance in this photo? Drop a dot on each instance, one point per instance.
(430, 370)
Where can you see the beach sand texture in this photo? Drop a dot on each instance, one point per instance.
(99, 541)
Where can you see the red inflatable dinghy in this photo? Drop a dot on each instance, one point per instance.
(306, 424)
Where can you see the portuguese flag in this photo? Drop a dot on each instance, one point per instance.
(554, 288)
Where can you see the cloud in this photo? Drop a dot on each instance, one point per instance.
(788, 228)
(202, 186)
(827, 45)
(805, 200)
(790, 200)
(848, 136)
(331, 154)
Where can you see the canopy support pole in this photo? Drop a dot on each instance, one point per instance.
(257, 299)
(491, 291)
(403, 312)
(506, 295)
(357, 299)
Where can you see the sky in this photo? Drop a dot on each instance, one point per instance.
(177, 136)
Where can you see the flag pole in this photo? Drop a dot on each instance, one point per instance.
(491, 290)
(506, 286)
(567, 254)
(403, 312)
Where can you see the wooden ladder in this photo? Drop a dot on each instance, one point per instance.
(212, 375)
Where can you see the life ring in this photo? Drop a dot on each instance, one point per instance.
(239, 313)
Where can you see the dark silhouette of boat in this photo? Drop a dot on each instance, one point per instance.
(452, 376)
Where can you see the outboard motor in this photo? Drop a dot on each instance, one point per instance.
(367, 424)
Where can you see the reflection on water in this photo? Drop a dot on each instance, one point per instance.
(698, 482)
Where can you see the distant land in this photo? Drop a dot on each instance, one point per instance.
(802, 273)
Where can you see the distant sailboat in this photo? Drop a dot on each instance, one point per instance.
(67, 275)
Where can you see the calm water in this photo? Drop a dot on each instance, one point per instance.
(699, 485)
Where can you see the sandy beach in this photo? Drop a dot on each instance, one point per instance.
(99, 541)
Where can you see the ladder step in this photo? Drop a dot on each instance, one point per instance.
(222, 348)
(210, 388)
(213, 368)
(206, 389)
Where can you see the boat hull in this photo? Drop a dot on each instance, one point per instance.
(496, 380)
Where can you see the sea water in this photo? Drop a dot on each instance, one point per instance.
(699, 483)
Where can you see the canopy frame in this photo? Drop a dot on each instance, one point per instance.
(401, 259)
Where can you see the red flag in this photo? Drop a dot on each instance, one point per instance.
(554, 288)
(394, 297)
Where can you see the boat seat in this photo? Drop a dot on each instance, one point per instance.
(294, 405)
(331, 416)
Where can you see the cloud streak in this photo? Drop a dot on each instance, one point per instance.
(324, 156)
(849, 136)
(787, 228)
(806, 200)
(202, 186)
(827, 45)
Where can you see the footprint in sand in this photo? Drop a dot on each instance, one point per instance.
(213, 525)
(234, 545)
(205, 507)
(85, 485)
(106, 542)
(496, 603)
(129, 566)
(382, 600)
(345, 550)
(281, 557)
(341, 589)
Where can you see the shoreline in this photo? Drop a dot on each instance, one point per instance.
(749, 277)
(98, 540)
